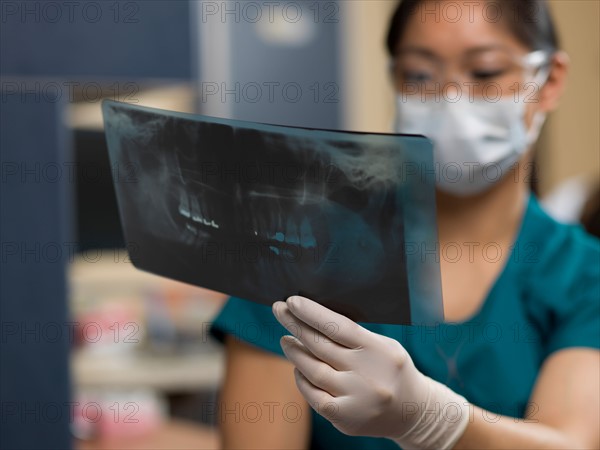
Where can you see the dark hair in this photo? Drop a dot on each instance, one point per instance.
(529, 20)
(590, 218)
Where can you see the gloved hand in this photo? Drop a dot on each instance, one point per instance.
(365, 383)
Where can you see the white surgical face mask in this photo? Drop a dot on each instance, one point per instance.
(475, 141)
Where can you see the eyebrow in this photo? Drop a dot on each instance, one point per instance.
(431, 54)
(419, 50)
(486, 48)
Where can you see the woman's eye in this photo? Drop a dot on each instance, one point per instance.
(486, 74)
(416, 76)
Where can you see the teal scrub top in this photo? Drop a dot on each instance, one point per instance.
(547, 298)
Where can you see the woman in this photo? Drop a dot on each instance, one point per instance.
(516, 362)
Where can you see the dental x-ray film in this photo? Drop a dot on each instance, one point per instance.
(262, 212)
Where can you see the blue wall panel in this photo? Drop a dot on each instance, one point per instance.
(124, 39)
(34, 230)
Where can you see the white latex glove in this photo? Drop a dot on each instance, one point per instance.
(365, 383)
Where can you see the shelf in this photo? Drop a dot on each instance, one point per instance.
(166, 373)
(173, 435)
(171, 96)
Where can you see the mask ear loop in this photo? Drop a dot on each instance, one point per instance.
(539, 118)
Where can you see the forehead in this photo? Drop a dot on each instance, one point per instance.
(450, 28)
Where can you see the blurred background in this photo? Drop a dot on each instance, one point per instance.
(95, 354)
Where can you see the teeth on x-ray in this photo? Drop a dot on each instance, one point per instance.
(307, 238)
(184, 210)
(184, 205)
(202, 221)
(292, 233)
(205, 222)
(191, 228)
(304, 238)
(277, 237)
(196, 210)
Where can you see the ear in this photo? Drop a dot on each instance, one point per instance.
(555, 85)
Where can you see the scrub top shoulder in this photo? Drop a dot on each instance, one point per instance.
(546, 299)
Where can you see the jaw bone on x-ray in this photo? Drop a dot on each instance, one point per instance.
(262, 212)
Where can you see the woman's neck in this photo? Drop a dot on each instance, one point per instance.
(493, 216)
